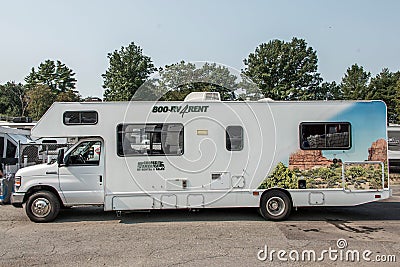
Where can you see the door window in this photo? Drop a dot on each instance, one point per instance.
(86, 153)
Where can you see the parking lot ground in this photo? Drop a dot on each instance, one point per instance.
(88, 236)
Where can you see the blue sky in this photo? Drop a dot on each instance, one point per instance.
(81, 33)
(368, 124)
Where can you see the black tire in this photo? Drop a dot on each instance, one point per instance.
(275, 205)
(42, 206)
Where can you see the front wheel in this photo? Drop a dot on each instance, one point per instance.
(275, 205)
(42, 206)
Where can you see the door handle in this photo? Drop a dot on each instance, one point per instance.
(51, 172)
(101, 178)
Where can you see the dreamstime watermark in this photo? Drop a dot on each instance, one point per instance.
(338, 253)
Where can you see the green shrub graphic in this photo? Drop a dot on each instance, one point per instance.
(359, 176)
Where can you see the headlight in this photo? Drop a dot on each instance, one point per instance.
(17, 181)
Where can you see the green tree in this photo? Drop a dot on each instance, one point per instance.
(68, 96)
(355, 83)
(177, 80)
(128, 70)
(384, 86)
(40, 98)
(182, 78)
(284, 70)
(332, 90)
(326, 91)
(12, 99)
(56, 75)
(249, 90)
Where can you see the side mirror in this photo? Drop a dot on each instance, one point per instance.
(60, 157)
(66, 160)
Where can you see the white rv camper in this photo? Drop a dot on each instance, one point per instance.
(209, 154)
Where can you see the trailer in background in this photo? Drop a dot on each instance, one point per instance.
(394, 148)
(19, 150)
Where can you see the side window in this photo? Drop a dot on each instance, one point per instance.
(234, 138)
(80, 117)
(1, 147)
(86, 153)
(10, 150)
(329, 136)
(149, 139)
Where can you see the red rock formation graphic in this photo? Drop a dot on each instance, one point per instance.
(308, 159)
(378, 151)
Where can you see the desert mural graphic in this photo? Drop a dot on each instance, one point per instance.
(348, 151)
(314, 170)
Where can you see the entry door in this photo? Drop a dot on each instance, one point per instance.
(81, 179)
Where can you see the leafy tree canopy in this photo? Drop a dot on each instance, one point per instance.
(12, 99)
(56, 75)
(284, 70)
(182, 78)
(385, 86)
(355, 83)
(128, 70)
(329, 91)
(39, 98)
(68, 96)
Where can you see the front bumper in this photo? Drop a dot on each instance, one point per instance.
(17, 199)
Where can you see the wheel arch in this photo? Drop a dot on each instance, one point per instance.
(276, 189)
(38, 188)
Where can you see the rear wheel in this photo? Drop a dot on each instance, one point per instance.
(42, 206)
(275, 205)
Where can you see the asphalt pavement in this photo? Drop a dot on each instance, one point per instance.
(88, 236)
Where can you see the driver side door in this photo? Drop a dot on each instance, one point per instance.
(81, 178)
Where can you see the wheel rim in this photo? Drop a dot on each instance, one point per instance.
(41, 207)
(276, 206)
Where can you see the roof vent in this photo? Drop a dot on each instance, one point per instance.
(203, 96)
